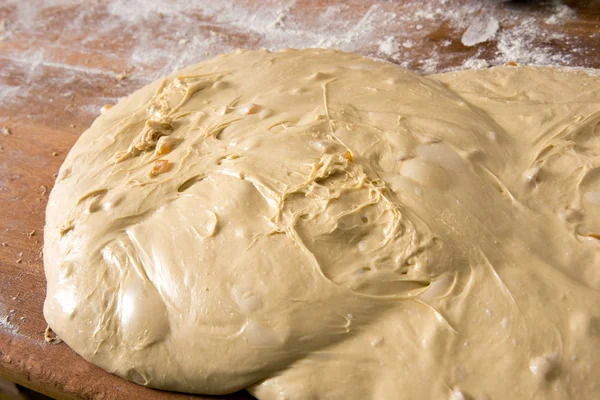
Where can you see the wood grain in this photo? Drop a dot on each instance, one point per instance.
(55, 74)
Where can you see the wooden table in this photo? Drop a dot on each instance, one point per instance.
(60, 63)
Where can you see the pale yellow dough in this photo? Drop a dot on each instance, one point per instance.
(331, 227)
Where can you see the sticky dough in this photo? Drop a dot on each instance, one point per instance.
(316, 225)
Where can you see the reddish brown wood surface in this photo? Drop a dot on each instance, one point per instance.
(60, 62)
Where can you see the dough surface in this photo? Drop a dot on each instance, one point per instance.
(311, 224)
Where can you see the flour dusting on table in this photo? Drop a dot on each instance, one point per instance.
(141, 40)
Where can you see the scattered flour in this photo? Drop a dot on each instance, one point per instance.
(561, 14)
(481, 30)
(476, 63)
(409, 44)
(430, 65)
(6, 321)
(149, 39)
(389, 46)
(520, 44)
(5, 32)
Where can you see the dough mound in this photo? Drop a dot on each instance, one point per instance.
(311, 224)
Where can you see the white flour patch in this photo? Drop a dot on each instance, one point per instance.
(6, 321)
(430, 65)
(475, 63)
(389, 46)
(481, 30)
(561, 14)
(519, 45)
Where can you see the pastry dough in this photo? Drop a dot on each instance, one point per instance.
(311, 224)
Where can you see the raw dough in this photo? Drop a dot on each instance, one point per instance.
(316, 225)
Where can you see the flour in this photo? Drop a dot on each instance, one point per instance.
(6, 321)
(152, 39)
(475, 63)
(561, 14)
(519, 45)
(5, 32)
(481, 30)
(430, 65)
(389, 46)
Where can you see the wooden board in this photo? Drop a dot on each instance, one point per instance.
(60, 62)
